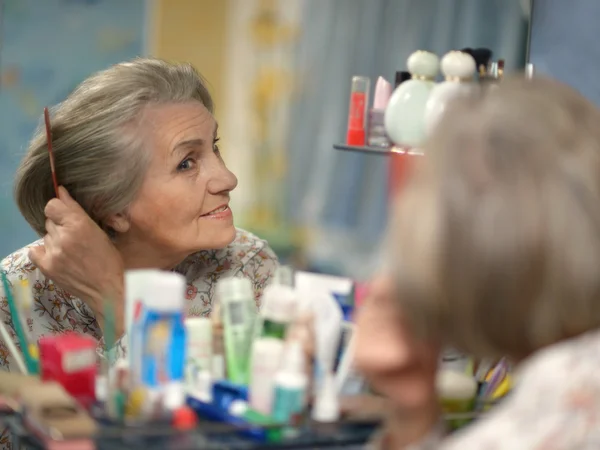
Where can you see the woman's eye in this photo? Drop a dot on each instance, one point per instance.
(186, 164)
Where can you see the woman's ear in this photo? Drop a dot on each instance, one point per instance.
(120, 223)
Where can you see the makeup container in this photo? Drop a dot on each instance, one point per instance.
(238, 308)
(405, 114)
(159, 335)
(458, 69)
(401, 77)
(279, 305)
(291, 383)
(377, 134)
(357, 115)
(199, 346)
(70, 360)
(265, 363)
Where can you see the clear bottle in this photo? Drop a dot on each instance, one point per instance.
(357, 115)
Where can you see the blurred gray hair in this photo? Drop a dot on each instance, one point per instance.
(98, 149)
(496, 237)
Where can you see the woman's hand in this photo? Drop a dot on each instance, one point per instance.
(396, 364)
(79, 257)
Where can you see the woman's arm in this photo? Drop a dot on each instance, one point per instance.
(80, 258)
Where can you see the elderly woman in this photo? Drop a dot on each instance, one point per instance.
(496, 250)
(143, 185)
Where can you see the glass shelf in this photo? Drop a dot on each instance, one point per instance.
(378, 150)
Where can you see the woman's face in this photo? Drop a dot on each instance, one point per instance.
(183, 204)
(396, 364)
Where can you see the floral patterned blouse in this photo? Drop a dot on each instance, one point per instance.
(56, 311)
(555, 405)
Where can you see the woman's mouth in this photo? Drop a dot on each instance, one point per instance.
(221, 212)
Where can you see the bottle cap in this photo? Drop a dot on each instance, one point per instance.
(458, 66)
(238, 408)
(234, 288)
(184, 418)
(156, 289)
(327, 406)
(423, 64)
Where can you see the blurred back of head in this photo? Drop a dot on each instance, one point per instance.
(497, 235)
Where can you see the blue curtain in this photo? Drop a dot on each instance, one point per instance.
(343, 196)
(49, 47)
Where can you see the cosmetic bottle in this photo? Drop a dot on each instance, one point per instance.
(376, 133)
(199, 346)
(405, 114)
(291, 384)
(264, 365)
(357, 115)
(159, 335)
(458, 69)
(326, 408)
(238, 308)
(279, 304)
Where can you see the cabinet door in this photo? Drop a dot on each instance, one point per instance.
(564, 43)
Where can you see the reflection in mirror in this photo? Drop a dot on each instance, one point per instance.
(345, 194)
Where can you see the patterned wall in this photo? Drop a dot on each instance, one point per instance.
(48, 47)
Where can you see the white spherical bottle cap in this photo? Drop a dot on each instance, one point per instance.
(234, 288)
(423, 64)
(458, 66)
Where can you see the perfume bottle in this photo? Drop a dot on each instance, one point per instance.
(376, 133)
(405, 115)
(458, 69)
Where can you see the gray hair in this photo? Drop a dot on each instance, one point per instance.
(496, 237)
(99, 153)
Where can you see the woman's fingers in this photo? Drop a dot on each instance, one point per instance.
(51, 228)
(61, 210)
(56, 211)
(37, 256)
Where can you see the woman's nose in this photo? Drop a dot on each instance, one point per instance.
(222, 180)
